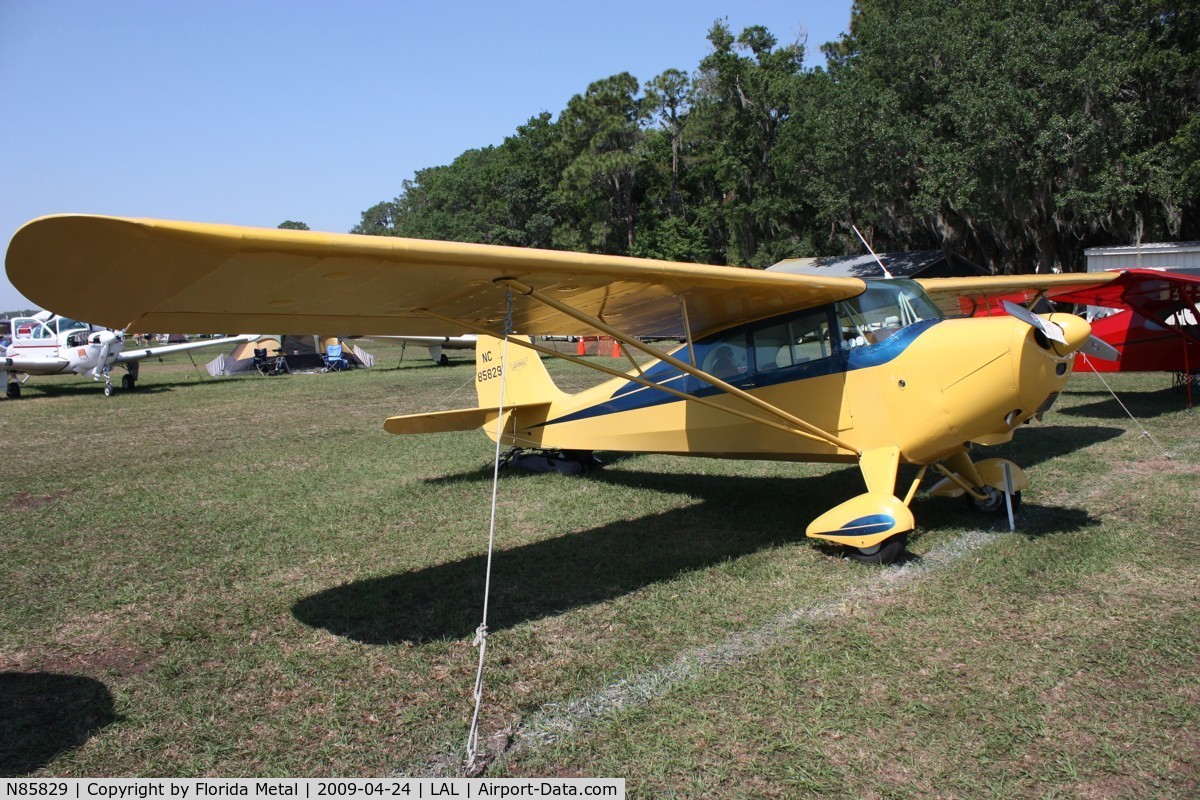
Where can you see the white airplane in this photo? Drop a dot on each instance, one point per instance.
(48, 344)
(436, 344)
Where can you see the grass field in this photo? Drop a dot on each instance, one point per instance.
(248, 577)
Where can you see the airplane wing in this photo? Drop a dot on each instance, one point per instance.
(466, 342)
(985, 295)
(1155, 294)
(138, 353)
(34, 365)
(154, 275)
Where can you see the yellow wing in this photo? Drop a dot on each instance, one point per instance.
(154, 275)
(979, 296)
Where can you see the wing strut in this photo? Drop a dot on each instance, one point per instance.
(687, 329)
(806, 427)
(704, 401)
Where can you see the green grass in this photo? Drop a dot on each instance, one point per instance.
(248, 577)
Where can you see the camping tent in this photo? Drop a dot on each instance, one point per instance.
(303, 353)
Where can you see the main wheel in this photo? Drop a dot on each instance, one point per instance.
(994, 504)
(127, 383)
(14, 391)
(886, 552)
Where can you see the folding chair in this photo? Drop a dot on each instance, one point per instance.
(261, 363)
(334, 360)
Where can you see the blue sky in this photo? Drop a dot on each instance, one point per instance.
(254, 112)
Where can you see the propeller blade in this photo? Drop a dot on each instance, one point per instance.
(1098, 348)
(1049, 329)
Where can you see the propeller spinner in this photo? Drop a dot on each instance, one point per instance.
(1051, 330)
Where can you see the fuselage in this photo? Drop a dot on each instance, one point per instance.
(48, 344)
(881, 369)
(1147, 345)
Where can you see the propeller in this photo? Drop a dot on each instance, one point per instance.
(1051, 330)
(105, 339)
(1098, 348)
(1092, 346)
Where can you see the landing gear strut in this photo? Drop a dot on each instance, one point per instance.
(874, 526)
(129, 380)
(995, 503)
(982, 486)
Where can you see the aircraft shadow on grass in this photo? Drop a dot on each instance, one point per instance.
(1142, 405)
(45, 715)
(79, 389)
(737, 516)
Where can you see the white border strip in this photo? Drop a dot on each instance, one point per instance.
(555, 720)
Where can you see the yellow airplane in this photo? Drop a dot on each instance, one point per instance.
(772, 366)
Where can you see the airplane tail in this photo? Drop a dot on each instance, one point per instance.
(524, 378)
(528, 393)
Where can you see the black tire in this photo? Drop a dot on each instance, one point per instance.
(995, 505)
(14, 391)
(128, 383)
(108, 390)
(888, 551)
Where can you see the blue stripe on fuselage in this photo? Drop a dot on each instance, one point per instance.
(632, 396)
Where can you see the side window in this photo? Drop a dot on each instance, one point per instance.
(30, 329)
(793, 342)
(810, 337)
(726, 357)
(773, 348)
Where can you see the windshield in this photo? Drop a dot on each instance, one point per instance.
(883, 309)
(65, 325)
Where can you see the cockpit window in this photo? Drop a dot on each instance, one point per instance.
(29, 328)
(65, 325)
(725, 357)
(798, 340)
(885, 308)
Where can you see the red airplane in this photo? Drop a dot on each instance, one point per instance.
(1154, 325)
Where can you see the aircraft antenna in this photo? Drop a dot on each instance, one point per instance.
(886, 274)
(474, 765)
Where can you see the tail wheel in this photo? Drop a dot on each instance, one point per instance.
(886, 552)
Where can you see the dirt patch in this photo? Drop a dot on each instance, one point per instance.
(1160, 466)
(25, 501)
(123, 662)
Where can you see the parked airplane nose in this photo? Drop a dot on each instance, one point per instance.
(1044, 364)
(1075, 330)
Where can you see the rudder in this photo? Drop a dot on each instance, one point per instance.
(524, 377)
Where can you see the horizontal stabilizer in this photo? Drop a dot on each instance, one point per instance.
(463, 419)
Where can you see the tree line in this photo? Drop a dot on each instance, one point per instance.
(1014, 132)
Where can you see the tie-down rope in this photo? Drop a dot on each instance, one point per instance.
(481, 633)
(1145, 432)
